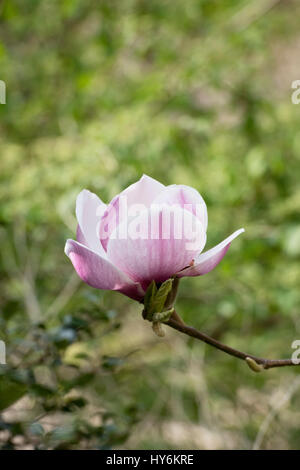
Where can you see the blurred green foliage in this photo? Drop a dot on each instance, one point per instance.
(195, 92)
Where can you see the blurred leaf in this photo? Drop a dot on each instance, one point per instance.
(10, 391)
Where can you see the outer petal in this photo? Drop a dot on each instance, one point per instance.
(165, 241)
(206, 262)
(89, 210)
(185, 197)
(100, 273)
(142, 192)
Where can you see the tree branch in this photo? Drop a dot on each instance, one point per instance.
(255, 363)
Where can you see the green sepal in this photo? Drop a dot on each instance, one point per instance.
(161, 296)
(156, 300)
(162, 316)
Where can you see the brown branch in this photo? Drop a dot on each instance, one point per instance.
(255, 363)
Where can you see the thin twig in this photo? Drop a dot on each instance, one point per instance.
(255, 363)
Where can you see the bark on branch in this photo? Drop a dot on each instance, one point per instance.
(255, 363)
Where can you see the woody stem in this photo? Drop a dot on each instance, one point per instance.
(177, 323)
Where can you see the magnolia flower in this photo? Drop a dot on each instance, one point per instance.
(147, 232)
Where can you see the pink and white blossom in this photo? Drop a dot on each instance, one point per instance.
(147, 232)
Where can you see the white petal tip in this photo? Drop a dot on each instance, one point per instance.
(86, 193)
(67, 247)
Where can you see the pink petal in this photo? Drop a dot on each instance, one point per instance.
(89, 210)
(206, 262)
(80, 237)
(156, 252)
(142, 192)
(100, 273)
(186, 198)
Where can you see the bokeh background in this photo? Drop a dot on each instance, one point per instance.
(195, 92)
